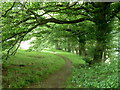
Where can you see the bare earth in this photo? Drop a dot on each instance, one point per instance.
(58, 79)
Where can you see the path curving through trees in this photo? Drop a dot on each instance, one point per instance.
(57, 79)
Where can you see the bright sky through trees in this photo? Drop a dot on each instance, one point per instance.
(26, 44)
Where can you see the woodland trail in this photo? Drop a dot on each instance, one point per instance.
(57, 79)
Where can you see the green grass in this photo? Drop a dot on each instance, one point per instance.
(40, 64)
(96, 76)
(75, 59)
(36, 66)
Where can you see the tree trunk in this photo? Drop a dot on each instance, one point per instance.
(77, 52)
(65, 49)
(79, 49)
(69, 48)
(98, 52)
(82, 48)
(102, 31)
(102, 39)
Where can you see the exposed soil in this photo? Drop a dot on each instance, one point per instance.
(58, 79)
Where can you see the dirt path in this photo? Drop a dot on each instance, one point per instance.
(58, 79)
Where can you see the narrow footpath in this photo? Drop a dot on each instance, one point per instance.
(57, 79)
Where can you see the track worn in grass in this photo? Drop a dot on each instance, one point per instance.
(26, 68)
(58, 79)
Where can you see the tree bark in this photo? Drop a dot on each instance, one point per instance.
(102, 39)
(69, 48)
(98, 53)
(102, 31)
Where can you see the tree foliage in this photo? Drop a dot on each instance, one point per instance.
(72, 26)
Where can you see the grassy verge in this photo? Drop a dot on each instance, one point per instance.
(28, 67)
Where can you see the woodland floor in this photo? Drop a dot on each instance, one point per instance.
(57, 79)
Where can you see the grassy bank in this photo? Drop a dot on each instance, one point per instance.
(29, 67)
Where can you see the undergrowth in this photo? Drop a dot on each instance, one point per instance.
(97, 76)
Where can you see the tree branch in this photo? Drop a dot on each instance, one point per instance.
(21, 38)
(9, 9)
(65, 22)
(22, 32)
(58, 5)
(11, 48)
(24, 20)
(45, 21)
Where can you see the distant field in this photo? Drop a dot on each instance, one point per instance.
(29, 67)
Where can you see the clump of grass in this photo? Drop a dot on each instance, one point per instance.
(29, 67)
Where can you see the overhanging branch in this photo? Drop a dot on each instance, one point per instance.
(9, 9)
(30, 29)
(65, 22)
(24, 20)
(45, 21)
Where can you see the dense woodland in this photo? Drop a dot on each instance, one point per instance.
(90, 30)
